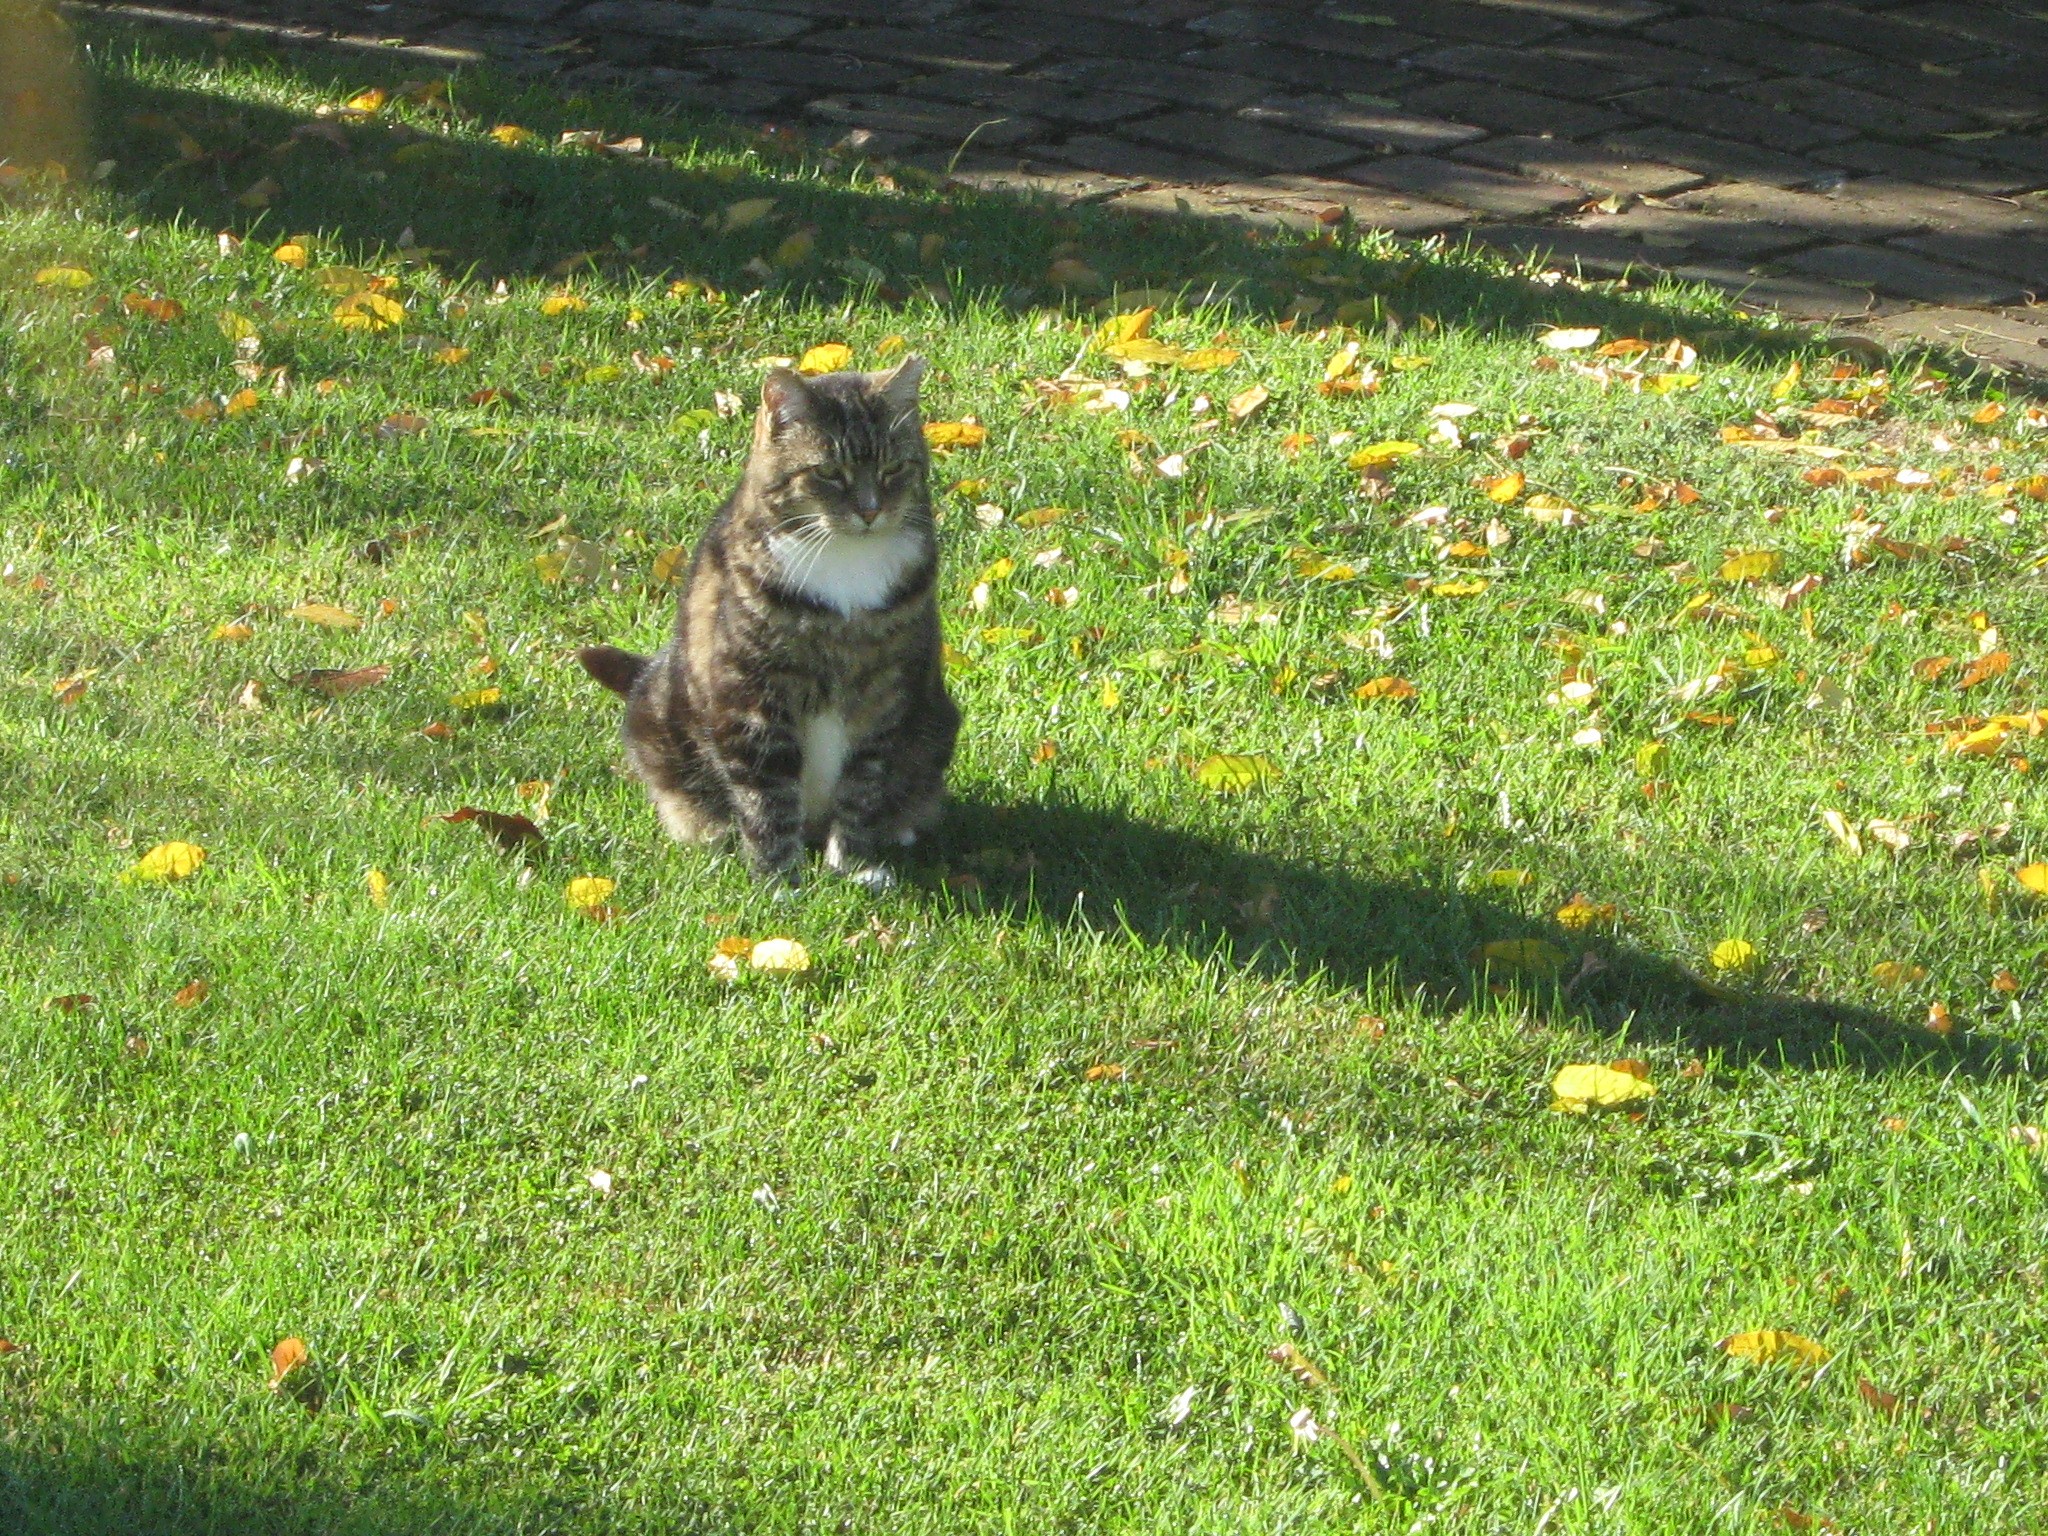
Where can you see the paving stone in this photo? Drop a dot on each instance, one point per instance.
(1846, 27)
(1673, 233)
(1720, 158)
(929, 48)
(511, 10)
(1167, 82)
(2004, 93)
(2026, 153)
(1763, 47)
(1815, 213)
(1791, 295)
(1904, 274)
(1039, 98)
(1453, 20)
(1636, 56)
(1380, 127)
(1322, 34)
(1116, 157)
(2023, 258)
(1983, 24)
(898, 12)
(1369, 209)
(799, 67)
(1201, 203)
(1295, 66)
(940, 120)
(1585, 13)
(1466, 185)
(1579, 165)
(1942, 209)
(1831, 101)
(1026, 178)
(1248, 143)
(1517, 66)
(1095, 36)
(1874, 157)
(1507, 110)
(711, 24)
(1733, 117)
(2013, 339)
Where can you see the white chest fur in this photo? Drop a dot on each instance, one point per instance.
(823, 741)
(851, 572)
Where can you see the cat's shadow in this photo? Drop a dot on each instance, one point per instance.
(1054, 862)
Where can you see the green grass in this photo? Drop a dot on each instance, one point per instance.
(880, 1251)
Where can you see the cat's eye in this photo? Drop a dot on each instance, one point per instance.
(891, 473)
(833, 476)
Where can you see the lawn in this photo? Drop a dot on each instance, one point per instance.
(1377, 699)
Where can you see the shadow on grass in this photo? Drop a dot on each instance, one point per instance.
(1065, 863)
(502, 210)
(204, 1490)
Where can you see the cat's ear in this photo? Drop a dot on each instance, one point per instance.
(785, 400)
(900, 384)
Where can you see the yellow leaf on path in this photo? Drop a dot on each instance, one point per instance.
(1505, 488)
(511, 135)
(379, 885)
(1374, 455)
(63, 277)
(954, 434)
(2034, 877)
(1571, 339)
(1535, 957)
(1769, 1346)
(1898, 973)
(291, 254)
(326, 615)
(1733, 955)
(564, 304)
(831, 357)
(1236, 772)
(1587, 1086)
(166, 862)
(588, 893)
(1751, 565)
(779, 955)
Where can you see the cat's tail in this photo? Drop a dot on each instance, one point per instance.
(618, 670)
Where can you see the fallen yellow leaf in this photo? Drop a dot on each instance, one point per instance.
(954, 434)
(1236, 772)
(1733, 955)
(1375, 455)
(166, 862)
(291, 254)
(831, 357)
(564, 304)
(1572, 339)
(1769, 1346)
(779, 955)
(379, 885)
(1751, 565)
(588, 893)
(1898, 973)
(326, 615)
(1536, 957)
(1587, 1086)
(63, 277)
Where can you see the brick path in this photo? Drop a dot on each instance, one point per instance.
(1881, 164)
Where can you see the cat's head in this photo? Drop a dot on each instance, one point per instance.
(842, 454)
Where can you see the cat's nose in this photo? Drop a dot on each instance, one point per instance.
(867, 515)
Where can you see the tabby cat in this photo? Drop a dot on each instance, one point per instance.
(799, 699)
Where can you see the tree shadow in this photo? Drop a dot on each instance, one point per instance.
(389, 182)
(1043, 861)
